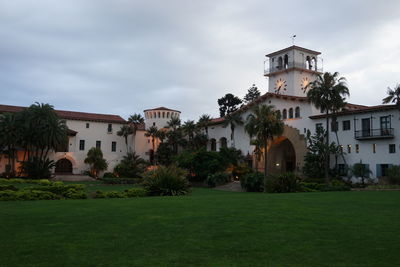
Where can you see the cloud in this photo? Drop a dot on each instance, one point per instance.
(126, 56)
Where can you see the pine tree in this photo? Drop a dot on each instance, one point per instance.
(252, 94)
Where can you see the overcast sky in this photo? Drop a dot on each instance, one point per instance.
(121, 57)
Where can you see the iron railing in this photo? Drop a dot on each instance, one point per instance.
(374, 133)
(292, 65)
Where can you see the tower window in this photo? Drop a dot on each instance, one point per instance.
(290, 113)
(280, 63)
(286, 61)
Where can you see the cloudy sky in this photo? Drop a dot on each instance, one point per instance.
(124, 56)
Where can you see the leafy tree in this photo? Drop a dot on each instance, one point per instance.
(232, 120)
(164, 154)
(328, 93)
(228, 104)
(125, 131)
(393, 96)
(263, 124)
(96, 161)
(252, 94)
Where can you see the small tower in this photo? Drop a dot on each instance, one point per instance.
(291, 69)
(159, 117)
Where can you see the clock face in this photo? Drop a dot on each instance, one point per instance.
(280, 85)
(304, 83)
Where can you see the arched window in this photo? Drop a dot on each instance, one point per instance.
(159, 114)
(297, 112)
(308, 63)
(313, 64)
(155, 115)
(149, 114)
(286, 61)
(290, 113)
(284, 114)
(213, 143)
(163, 114)
(167, 115)
(223, 142)
(280, 63)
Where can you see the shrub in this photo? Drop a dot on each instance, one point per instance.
(99, 194)
(109, 175)
(59, 189)
(253, 182)
(136, 192)
(72, 193)
(25, 181)
(131, 166)
(96, 161)
(310, 187)
(394, 174)
(27, 195)
(114, 194)
(36, 168)
(218, 178)
(121, 180)
(166, 181)
(8, 187)
(283, 183)
(335, 185)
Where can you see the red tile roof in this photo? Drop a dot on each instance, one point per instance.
(361, 109)
(72, 115)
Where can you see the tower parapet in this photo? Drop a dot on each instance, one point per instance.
(159, 117)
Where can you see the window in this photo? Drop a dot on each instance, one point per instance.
(113, 146)
(357, 148)
(286, 61)
(163, 114)
(284, 114)
(384, 169)
(154, 124)
(290, 113)
(297, 112)
(373, 148)
(342, 169)
(346, 125)
(109, 128)
(385, 125)
(81, 144)
(98, 144)
(392, 148)
(349, 149)
(213, 144)
(223, 142)
(87, 125)
(318, 125)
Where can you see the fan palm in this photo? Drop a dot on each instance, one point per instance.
(328, 93)
(152, 132)
(203, 122)
(233, 119)
(263, 124)
(9, 137)
(125, 131)
(174, 123)
(189, 129)
(393, 96)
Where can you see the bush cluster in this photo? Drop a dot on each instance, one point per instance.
(25, 181)
(121, 180)
(128, 193)
(283, 183)
(27, 195)
(218, 178)
(166, 181)
(253, 182)
(335, 185)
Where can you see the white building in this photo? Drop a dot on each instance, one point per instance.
(367, 133)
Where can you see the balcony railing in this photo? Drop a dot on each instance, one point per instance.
(374, 134)
(291, 65)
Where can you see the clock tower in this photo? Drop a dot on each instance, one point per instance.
(291, 69)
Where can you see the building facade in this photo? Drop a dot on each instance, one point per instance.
(367, 134)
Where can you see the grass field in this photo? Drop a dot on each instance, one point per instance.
(208, 228)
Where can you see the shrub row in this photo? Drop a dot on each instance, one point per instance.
(108, 180)
(128, 193)
(25, 181)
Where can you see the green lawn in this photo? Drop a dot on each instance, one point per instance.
(209, 227)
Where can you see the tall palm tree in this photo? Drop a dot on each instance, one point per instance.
(189, 129)
(9, 137)
(233, 119)
(393, 96)
(328, 93)
(263, 124)
(152, 132)
(134, 121)
(125, 131)
(203, 122)
(174, 123)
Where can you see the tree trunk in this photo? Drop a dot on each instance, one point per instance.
(327, 160)
(265, 165)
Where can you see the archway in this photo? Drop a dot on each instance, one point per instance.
(281, 156)
(63, 166)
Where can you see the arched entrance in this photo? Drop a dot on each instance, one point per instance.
(281, 156)
(63, 166)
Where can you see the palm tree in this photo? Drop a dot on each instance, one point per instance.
(96, 161)
(233, 119)
(9, 137)
(125, 131)
(189, 129)
(203, 122)
(134, 121)
(257, 150)
(393, 96)
(328, 93)
(152, 132)
(174, 123)
(264, 124)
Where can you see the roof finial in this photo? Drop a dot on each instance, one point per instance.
(293, 37)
